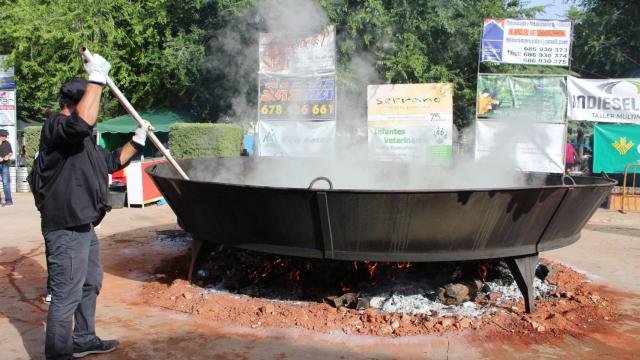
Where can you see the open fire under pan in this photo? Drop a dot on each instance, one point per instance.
(379, 225)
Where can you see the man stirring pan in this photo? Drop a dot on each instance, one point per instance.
(5, 156)
(69, 184)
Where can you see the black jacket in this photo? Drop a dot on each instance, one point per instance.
(69, 179)
(5, 149)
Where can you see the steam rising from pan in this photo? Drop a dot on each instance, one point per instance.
(348, 167)
(349, 174)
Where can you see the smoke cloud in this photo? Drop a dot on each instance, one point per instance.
(235, 58)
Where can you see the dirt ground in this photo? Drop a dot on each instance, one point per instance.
(608, 254)
(576, 307)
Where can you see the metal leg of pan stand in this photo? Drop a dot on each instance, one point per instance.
(523, 269)
(200, 251)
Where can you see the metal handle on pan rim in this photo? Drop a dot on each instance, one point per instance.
(565, 176)
(321, 178)
(604, 175)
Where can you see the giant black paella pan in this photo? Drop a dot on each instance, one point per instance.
(242, 202)
(379, 211)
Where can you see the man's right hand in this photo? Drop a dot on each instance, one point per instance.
(98, 69)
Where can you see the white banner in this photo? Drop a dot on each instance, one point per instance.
(531, 42)
(427, 143)
(296, 138)
(528, 146)
(7, 107)
(282, 55)
(610, 100)
(410, 122)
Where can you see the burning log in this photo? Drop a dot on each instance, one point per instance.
(348, 300)
(456, 294)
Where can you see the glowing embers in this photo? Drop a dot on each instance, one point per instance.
(483, 270)
(407, 287)
(299, 273)
(371, 266)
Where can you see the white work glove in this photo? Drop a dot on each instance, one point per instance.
(98, 69)
(140, 135)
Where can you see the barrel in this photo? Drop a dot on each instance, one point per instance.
(22, 185)
(12, 177)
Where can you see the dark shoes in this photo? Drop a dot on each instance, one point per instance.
(99, 347)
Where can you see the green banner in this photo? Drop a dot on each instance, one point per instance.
(615, 146)
(532, 98)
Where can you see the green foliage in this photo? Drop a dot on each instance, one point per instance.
(155, 47)
(201, 55)
(606, 42)
(32, 142)
(188, 141)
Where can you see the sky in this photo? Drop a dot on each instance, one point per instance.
(556, 9)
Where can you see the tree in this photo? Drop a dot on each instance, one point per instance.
(379, 41)
(201, 55)
(606, 42)
(418, 41)
(155, 47)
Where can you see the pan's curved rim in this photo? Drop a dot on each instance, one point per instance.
(601, 182)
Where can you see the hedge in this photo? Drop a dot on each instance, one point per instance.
(32, 142)
(188, 141)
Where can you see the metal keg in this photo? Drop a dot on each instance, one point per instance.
(12, 178)
(21, 179)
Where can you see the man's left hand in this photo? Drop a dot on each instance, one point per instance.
(98, 69)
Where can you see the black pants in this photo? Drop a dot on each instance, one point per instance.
(75, 278)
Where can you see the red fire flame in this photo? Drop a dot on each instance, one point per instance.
(294, 275)
(483, 271)
(295, 271)
(406, 265)
(371, 267)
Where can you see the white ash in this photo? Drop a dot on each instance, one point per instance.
(255, 291)
(421, 300)
(511, 292)
(174, 237)
(420, 304)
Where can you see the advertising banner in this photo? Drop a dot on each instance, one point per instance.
(296, 138)
(297, 98)
(529, 42)
(7, 107)
(608, 100)
(297, 87)
(519, 97)
(410, 102)
(282, 55)
(615, 146)
(7, 80)
(410, 122)
(528, 146)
